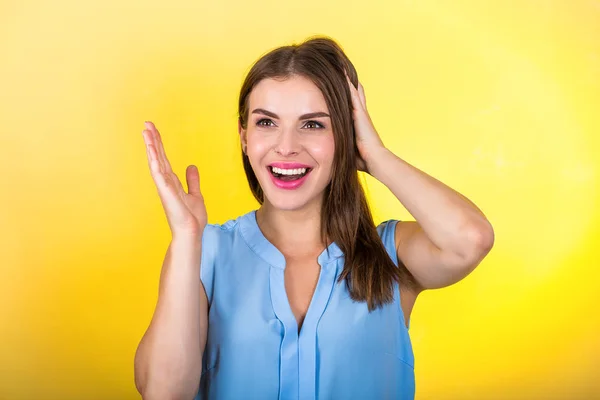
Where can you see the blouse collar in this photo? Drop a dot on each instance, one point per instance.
(267, 251)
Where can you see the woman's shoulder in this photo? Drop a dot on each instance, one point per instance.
(387, 233)
(220, 233)
(218, 244)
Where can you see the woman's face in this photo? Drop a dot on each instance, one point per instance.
(289, 141)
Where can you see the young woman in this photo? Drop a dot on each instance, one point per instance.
(304, 298)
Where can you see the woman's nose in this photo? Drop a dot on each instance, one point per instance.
(288, 143)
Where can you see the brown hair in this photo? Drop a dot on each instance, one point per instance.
(345, 215)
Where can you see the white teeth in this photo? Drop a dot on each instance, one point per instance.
(297, 171)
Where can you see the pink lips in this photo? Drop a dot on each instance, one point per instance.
(289, 185)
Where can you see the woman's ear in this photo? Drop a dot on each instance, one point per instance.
(242, 133)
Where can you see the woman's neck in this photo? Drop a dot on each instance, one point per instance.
(294, 233)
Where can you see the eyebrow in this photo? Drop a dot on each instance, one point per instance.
(302, 117)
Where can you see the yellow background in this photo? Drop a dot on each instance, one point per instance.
(500, 100)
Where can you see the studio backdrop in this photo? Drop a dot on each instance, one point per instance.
(498, 99)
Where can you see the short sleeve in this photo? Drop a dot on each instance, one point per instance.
(210, 245)
(387, 233)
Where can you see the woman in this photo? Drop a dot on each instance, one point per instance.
(303, 298)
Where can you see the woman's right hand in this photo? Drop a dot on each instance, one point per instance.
(186, 212)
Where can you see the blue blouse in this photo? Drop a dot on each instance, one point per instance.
(254, 351)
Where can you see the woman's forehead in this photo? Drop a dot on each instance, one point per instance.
(292, 96)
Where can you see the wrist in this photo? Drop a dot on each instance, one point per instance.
(373, 158)
(188, 237)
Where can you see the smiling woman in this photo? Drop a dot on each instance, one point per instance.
(303, 91)
(305, 297)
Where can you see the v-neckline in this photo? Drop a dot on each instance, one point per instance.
(269, 252)
(275, 258)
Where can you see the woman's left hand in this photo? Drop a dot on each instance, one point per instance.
(367, 138)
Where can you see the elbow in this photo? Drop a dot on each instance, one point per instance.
(484, 238)
(161, 381)
(162, 394)
(480, 242)
(165, 389)
(139, 369)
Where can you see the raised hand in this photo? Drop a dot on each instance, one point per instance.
(186, 212)
(368, 141)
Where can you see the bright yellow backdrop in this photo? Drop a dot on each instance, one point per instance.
(500, 100)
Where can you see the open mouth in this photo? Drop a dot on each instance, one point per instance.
(288, 175)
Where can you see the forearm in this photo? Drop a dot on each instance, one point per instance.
(168, 361)
(450, 220)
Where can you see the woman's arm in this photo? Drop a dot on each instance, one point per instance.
(168, 361)
(450, 236)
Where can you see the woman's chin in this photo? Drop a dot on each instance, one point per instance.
(288, 201)
(287, 204)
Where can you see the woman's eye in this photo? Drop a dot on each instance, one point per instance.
(265, 122)
(313, 125)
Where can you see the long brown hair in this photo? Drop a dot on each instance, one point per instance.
(346, 218)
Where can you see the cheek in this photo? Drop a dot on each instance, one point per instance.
(322, 150)
(257, 147)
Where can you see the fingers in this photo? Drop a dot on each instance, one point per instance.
(153, 162)
(193, 180)
(357, 102)
(361, 95)
(164, 161)
(151, 152)
(160, 168)
(150, 141)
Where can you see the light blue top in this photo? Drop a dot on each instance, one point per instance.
(254, 350)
